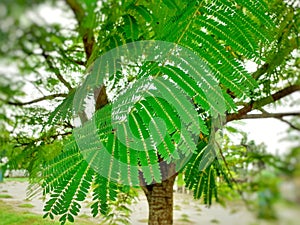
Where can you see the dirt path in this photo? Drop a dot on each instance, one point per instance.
(186, 210)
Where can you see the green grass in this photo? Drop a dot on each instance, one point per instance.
(198, 209)
(26, 205)
(9, 216)
(186, 202)
(143, 220)
(232, 211)
(214, 221)
(177, 207)
(184, 218)
(5, 196)
(17, 179)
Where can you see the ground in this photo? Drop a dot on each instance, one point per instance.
(186, 210)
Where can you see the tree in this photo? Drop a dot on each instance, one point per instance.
(187, 61)
(254, 170)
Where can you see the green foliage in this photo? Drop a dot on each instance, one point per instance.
(256, 173)
(10, 215)
(201, 174)
(63, 112)
(119, 211)
(223, 34)
(5, 196)
(220, 33)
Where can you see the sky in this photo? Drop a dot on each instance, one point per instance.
(271, 131)
(268, 131)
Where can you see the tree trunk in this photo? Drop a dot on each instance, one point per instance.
(160, 201)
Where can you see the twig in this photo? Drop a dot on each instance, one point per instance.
(48, 97)
(262, 102)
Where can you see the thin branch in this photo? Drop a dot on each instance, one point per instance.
(55, 70)
(269, 115)
(278, 116)
(260, 71)
(289, 123)
(238, 188)
(78, 62)
(48, 97)
(47, 59)
(54, 137)
(262, 102)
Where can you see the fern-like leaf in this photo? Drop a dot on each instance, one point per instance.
(126, 140)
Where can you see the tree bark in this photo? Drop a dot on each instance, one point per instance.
(160, 198)
(262, 102)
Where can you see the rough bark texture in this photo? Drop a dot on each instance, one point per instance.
(160, 197)
(160, 201)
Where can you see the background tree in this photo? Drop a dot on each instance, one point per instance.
(254, 170)
(52, 57)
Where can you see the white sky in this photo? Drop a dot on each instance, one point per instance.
(270, 131)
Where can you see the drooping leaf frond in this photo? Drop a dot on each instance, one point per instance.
(202, 171)
(63, 111)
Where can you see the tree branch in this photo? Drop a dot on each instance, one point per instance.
(48, 97)
(89, 42)
(270, 115)
(46, 57)
(262, 102)
(55, 70)
(22, 143)
(260, 71)
(278, 116)
(86, 32)
(289, 123)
